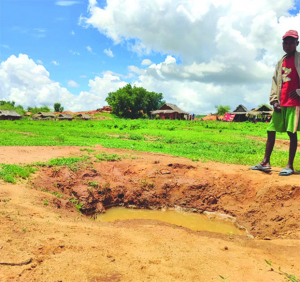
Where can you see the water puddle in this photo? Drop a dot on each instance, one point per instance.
(193, 221)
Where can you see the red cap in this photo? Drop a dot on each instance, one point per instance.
(291, 33)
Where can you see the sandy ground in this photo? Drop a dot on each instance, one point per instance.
(65, 245)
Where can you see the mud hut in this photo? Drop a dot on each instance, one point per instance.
(65, 117)
(240, 113)
(44, 116)
(84, 116)
(262, 113)
(170, 111)
(9, 115)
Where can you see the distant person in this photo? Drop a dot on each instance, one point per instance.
(285, 98)
(193, 116)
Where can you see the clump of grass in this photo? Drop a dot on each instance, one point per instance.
(78, 205)
(64, 161)
(11, 173)
(94, 184)
(145, 183)
(108, 157)
(56, 194)
(135, 136)
(87, 150)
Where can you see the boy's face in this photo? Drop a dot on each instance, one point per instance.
(289, 45)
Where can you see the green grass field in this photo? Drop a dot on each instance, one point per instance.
(217, 141)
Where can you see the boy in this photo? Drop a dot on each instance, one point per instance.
(285, 98)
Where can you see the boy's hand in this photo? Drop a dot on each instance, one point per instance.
(277, 108)
(294, 94)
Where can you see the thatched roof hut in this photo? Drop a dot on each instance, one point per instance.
(44, 116)
(9, 115)
(240, 113)
(65, 117)
(170, 111)
(84, 116)
(263, 110)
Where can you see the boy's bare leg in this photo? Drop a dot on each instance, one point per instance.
(293, 149)
(269, 148)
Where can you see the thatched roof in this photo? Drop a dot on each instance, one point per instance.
(262, 110)
(84, 116)
(168, 108)
(43, 115)
(46, 114)
(65, 116)
(240, 110)
(9, 113)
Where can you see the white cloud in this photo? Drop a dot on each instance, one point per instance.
(29, 84)
(55, 63)
(146, 62)
(74, 52)
(83, 76)
(4, 46)
(89, 48)
(190, 88)
(66, 3)
(39, 62)
(72, 32)
(72, 83)
(108, 52)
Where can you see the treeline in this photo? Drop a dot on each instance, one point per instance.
(127, 102)
(11, 106)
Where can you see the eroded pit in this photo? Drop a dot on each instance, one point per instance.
(266, 208)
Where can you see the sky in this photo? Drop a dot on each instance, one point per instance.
(197, 53)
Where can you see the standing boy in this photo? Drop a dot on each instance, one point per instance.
(285, 98)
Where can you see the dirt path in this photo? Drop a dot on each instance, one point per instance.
(67, 246)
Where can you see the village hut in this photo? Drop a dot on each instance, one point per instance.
(44, 116)
(170, 111)
(263, 113)
(84, 116)
(65, 117)
(240, 113)
(9, 115)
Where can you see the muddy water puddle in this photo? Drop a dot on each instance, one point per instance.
(193, 221)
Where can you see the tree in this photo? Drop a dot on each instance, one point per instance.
(7, 105)
(35, 110)
(58, 107)
(221, 110)
(133, 102)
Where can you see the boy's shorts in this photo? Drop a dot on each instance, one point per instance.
(284, 121)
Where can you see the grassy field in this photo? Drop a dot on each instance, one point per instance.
(217, 141)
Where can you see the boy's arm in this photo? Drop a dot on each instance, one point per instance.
(273, 95)
(274, 101)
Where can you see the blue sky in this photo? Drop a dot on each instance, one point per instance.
(50, 32)
(197, 53)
